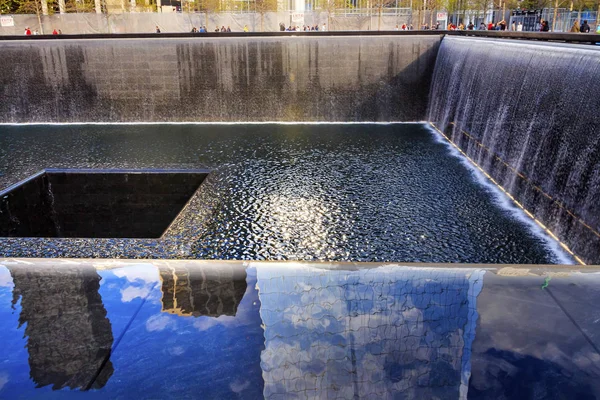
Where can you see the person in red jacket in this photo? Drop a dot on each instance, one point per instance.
(27, 31)
(55, 32)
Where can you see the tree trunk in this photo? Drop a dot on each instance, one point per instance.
(61, 6)
(379, 19)
(554, 17)
(98, 6)
(431, 18)
(44, 7)
(39, 17)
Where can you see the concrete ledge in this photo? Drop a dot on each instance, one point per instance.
(111, 263)
(222, 35)
(543, 36)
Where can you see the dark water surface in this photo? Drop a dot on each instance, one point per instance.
(342, 192)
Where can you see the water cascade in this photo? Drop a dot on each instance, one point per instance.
(226, 79)
(528, 115)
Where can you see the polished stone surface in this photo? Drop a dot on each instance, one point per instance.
(360, 78)
(339, 192)
(176, 329)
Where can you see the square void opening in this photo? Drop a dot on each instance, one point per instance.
(96, 203)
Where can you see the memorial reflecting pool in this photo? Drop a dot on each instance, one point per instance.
(174, 329)
(335, 192)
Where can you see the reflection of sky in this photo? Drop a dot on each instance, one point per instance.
(376, 333)
(166, 351)
(159, 353)
(369, 333)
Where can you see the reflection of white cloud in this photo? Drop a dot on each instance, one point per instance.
(159, 322)
(5, 278)
(321, 325)
(205, 323)
(176, 351)
(3, 380)
(138, 272)
(238, 386)
(133, 292)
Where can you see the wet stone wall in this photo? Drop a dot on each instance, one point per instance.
(528, 114)
(217, 79)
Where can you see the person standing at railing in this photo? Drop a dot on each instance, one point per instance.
(575, 27)
(585, 28)
(545, 26)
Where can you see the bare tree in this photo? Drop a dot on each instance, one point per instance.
(33, 7)
(8, 6)
(262, 7)
(208, 7)
(581, 5)
(330, 6)
(380, 5)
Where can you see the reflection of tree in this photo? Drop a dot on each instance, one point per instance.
(69, 336)
(202, 291)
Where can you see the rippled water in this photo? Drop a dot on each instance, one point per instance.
(304, 192)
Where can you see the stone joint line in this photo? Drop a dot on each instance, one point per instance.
(529, 181)
(510, 196)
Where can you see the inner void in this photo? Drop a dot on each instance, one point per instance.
(70, 203)
(339, 192)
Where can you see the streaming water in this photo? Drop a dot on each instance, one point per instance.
(528, 114)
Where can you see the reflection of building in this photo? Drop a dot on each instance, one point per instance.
(384, 333)
(208, 291)
(69, 335)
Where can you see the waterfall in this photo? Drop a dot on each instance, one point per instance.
(527, 113)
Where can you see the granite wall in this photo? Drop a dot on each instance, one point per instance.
(383, 78)
(537, 134)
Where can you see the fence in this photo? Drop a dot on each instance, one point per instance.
(530, 19)
(338, 20)
(85, 23)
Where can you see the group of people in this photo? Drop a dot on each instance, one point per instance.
(203, 29)
(35, 32)
(499, 26)
(305, 28)
(584, 28)
(543, 26)
(409, 27)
